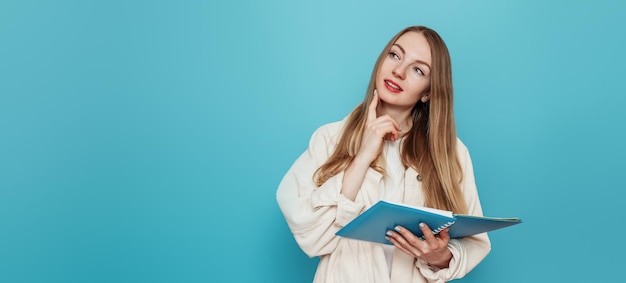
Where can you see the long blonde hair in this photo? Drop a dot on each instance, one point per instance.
(430, 145)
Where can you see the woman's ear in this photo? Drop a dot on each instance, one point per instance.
(425, 98)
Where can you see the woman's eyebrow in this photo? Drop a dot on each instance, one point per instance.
(397, 45)
(418, 61)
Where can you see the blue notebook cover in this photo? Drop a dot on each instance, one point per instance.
(372, 224)
(467, 225)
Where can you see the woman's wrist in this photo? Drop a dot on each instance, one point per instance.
(444, 262)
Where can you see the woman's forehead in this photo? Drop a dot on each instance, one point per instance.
(414, 46)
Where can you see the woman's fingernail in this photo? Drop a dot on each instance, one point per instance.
(388, 233)
(421, 225)
(397, 228)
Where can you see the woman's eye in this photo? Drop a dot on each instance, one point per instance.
(393, 55)
(418, 71)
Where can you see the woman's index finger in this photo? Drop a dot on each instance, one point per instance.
(371, 114)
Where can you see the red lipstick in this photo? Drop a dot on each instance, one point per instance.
(392, 86)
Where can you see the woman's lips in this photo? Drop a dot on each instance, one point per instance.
(392, 86)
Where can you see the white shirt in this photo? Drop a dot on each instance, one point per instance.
(394, 183)
(315, 213)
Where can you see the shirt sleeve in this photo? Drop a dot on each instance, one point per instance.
(467, 252)
(314, 214)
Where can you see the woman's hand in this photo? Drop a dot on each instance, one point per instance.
(376, 130)
(433, 249)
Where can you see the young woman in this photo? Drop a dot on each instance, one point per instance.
(399, 145)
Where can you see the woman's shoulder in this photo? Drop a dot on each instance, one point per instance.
(460, 146)
(328, 133)
(462, 151)
(331, 128)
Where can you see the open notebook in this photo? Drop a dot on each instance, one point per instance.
(373, 223)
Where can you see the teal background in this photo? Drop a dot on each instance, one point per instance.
(143, 141)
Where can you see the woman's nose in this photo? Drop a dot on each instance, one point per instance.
(398, 71)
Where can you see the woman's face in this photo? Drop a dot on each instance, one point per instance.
(404, 75)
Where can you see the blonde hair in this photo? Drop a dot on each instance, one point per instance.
(430, 145)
